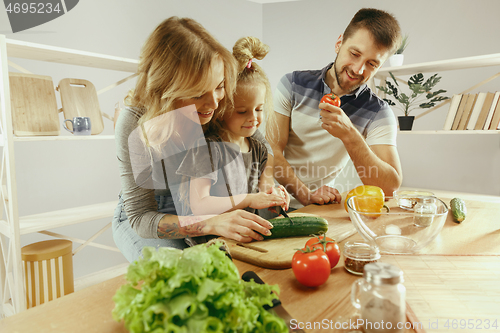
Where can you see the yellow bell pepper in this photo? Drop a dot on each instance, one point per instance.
(374, 201)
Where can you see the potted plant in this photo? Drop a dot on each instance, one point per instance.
(416, 99)
(397, 58)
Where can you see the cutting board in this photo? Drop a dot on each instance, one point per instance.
(34, 105)
(79, 99)
(278, 253)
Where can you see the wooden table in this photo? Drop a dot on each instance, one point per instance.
(435, 288)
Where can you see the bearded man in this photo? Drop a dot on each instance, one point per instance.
(316, 140)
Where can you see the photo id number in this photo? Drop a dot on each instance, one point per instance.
(478, 324)
(33, 8)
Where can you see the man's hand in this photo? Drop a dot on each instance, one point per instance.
(325, 194)
(335, 121)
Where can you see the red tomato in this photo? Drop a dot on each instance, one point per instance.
(327, 245)
(331, 99)
(311, 267)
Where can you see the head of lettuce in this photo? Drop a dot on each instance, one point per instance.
(193, 290)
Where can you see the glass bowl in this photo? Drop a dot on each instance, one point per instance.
(397, 231)
(407, 199)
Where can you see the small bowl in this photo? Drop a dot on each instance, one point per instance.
(407, 199)
(359, 254)
(399, 231)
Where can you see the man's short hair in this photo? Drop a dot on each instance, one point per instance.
(383, 27)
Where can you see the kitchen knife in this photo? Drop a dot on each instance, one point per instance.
(277, 306)
(282, 212)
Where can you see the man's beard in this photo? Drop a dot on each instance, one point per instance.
(340, 83)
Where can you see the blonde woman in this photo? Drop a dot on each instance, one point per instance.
(185, 77)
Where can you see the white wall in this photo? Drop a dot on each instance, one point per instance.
(302, 36)
(58, 175)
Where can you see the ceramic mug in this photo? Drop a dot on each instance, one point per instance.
(81, 126)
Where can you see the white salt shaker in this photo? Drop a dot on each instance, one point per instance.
(380, 298)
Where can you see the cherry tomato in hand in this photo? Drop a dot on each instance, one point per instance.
(327, 245)
(311, 267)
(331, 99)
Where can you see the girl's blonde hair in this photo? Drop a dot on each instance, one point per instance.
(244, 51)
(175, 64)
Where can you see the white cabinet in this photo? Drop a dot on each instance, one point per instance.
(488, 60)
(12, 226)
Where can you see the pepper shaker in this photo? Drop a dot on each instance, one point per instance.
(380, 298)
(424, 211)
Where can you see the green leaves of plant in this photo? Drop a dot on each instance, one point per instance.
(434, 100)
(417, 87)
(416, 79)
(391, 103)
(394, 90)
(393, 79)
(431, 82)
(403, 45)
(404, 99)
(431, 95)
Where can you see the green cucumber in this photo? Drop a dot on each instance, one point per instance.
(297, 226)
(458, 209)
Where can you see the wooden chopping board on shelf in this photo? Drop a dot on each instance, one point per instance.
(278, 253)
(33, 104)
(79, 99)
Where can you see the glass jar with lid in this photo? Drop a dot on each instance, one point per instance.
(380, 298)
(424, 210)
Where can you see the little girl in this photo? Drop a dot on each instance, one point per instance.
(229, 171)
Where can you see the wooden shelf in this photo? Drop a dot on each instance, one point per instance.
(61, 218)
(471, 132)
(34, 51)
(58, 138)
(63, 138)
(441, 65)
(487, 60)
(11, 224)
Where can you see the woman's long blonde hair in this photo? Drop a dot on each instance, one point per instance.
(245, 49)
(174, 64)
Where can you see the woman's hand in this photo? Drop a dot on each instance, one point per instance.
(239, 225)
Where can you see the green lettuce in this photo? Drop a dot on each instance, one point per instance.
(196, 290)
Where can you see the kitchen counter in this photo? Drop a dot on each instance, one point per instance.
(454, 278)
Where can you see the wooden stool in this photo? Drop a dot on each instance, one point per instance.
(48, 270)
